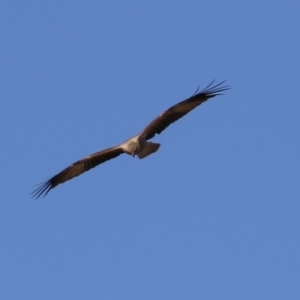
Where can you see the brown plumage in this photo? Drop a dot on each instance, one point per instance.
(137, 145)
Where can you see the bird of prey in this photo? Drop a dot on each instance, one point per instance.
(137, 145)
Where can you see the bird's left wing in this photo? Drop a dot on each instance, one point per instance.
(182, 108)
(77, 169)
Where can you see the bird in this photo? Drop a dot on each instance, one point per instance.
(136, 146)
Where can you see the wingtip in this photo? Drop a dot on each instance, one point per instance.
(42, 190)
(214, 90)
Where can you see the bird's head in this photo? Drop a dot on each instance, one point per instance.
(134, 150)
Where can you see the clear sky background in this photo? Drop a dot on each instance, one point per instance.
(214, 214)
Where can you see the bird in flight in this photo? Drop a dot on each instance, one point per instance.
(137, 145)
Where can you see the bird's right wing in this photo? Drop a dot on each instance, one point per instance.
(77, 169)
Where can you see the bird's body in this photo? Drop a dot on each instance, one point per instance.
(137, 145)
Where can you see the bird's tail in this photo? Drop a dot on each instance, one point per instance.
(149, 149)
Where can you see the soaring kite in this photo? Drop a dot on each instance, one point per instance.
(137, 145)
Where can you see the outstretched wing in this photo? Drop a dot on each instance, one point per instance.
(182, 108)
(77, 169)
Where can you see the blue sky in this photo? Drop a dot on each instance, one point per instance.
(214, 214)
